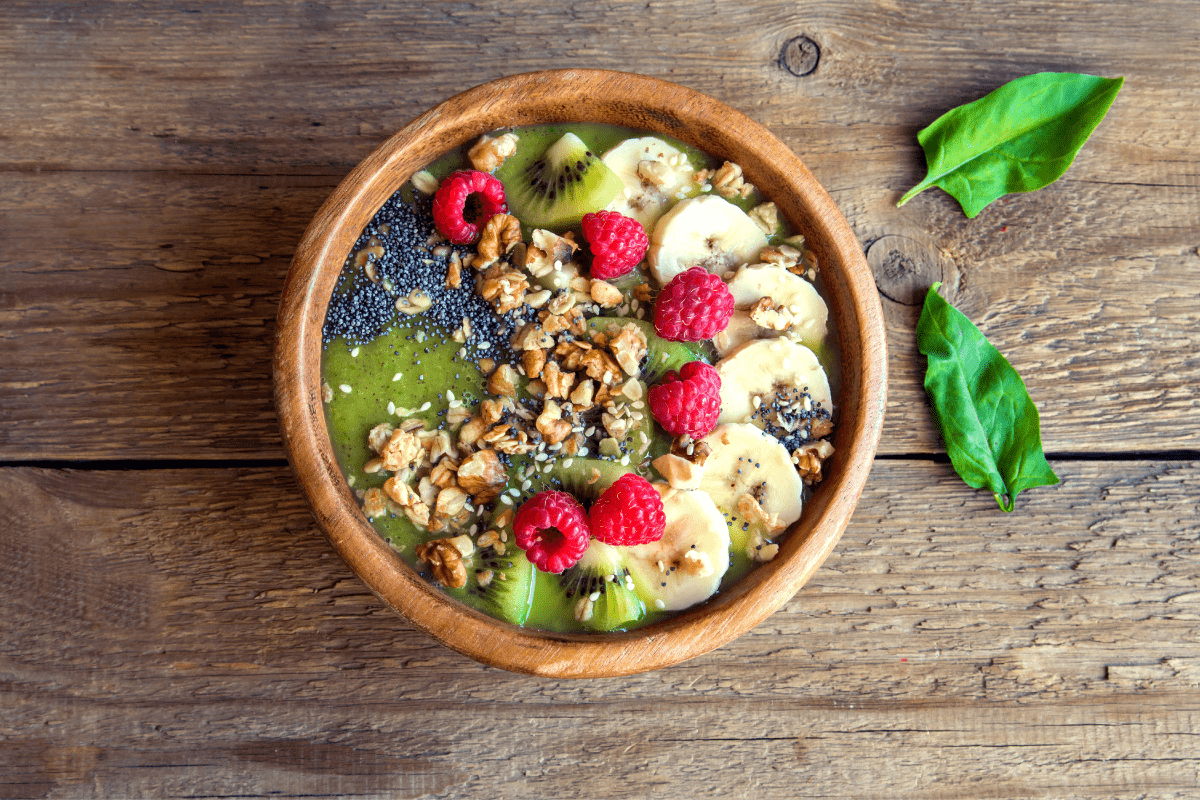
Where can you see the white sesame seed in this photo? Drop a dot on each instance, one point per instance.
(659, 604)
(525, 484)
(350, 481)
(450, 395)
(594, 596)
(505, 499)
(346, 388)
(391, 408)
(625, 459)
(425, 406)
(420, 336)
(484, 345)
(568, 462)
(397, 376)
(515, 492)
(354, 353)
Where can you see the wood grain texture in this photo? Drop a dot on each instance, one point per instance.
(193, 634)
(129, 150)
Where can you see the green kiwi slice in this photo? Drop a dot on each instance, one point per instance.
(662, 355)
(600, 590)
(554, 189)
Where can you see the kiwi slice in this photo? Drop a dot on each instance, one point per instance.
(600, 590)
(555, 189)
(500, 585)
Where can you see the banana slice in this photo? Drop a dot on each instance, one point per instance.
(747, 461)
(760, 368)
(653, 173)
(686, 565)
(800, 313)
(741, 329)
(705, 231)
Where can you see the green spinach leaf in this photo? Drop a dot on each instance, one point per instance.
(987, 419)
(1021, 137)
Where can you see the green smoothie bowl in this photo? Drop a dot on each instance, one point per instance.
(581, 372)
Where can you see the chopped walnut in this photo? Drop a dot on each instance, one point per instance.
(600, 366)
(469, 434)
(373, 466)
(629, 346)
(582, 395)
(729, 183)
(697, 563)
(504, 287)
(374, 503)
(533, 361)
(408, 500)
(809, 458)
(402, 449)
(633, 389)
(503, 382)
(415, 302)
(454, 271)
(482, 476)
(326, 392)
(445, 561)
(679, 472)
(457, 415)
(551, 424)
(766, 314)
(643, 292)
(558, 383)
(605, 294)
(617, 426)
(571, 320)
(489, 153)
(500, 235)
(571, 354)
(492, 411)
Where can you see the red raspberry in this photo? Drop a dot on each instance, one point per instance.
(688, 403)
(629, 512)
(618, 243)
(552, 528)
(693, 306)
(453, 202)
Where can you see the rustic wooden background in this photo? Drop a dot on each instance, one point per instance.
(173, 625)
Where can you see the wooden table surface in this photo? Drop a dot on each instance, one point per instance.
(172, 623)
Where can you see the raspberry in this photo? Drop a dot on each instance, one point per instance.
(693, 306)
(629, 512)
(618, 243)
(552, 529)
(688, 403)
(453, 202)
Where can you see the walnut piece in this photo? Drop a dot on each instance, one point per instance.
(809, 458)
(548, 251)
(482, 476)
(695, 452)
(500, 235)
(490, 152)
(558, 383)
(503, 382)
(551, 424)
(445, 561)
(409, 501)
(374, 503)
(533, 361)
(504, 287)
(766, 314)
(751, 511)
(766, 217)
(781, 256)
(629, 346)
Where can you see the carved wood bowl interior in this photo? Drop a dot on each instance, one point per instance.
(637, 102)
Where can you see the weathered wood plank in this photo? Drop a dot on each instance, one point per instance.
(1054, 652)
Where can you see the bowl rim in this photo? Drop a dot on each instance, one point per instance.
(640, 102)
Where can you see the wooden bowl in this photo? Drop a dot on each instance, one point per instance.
(636, 102)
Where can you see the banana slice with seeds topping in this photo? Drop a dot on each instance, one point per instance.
(705, 231)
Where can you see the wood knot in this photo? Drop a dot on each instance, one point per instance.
(800, 56)
(904, 269)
